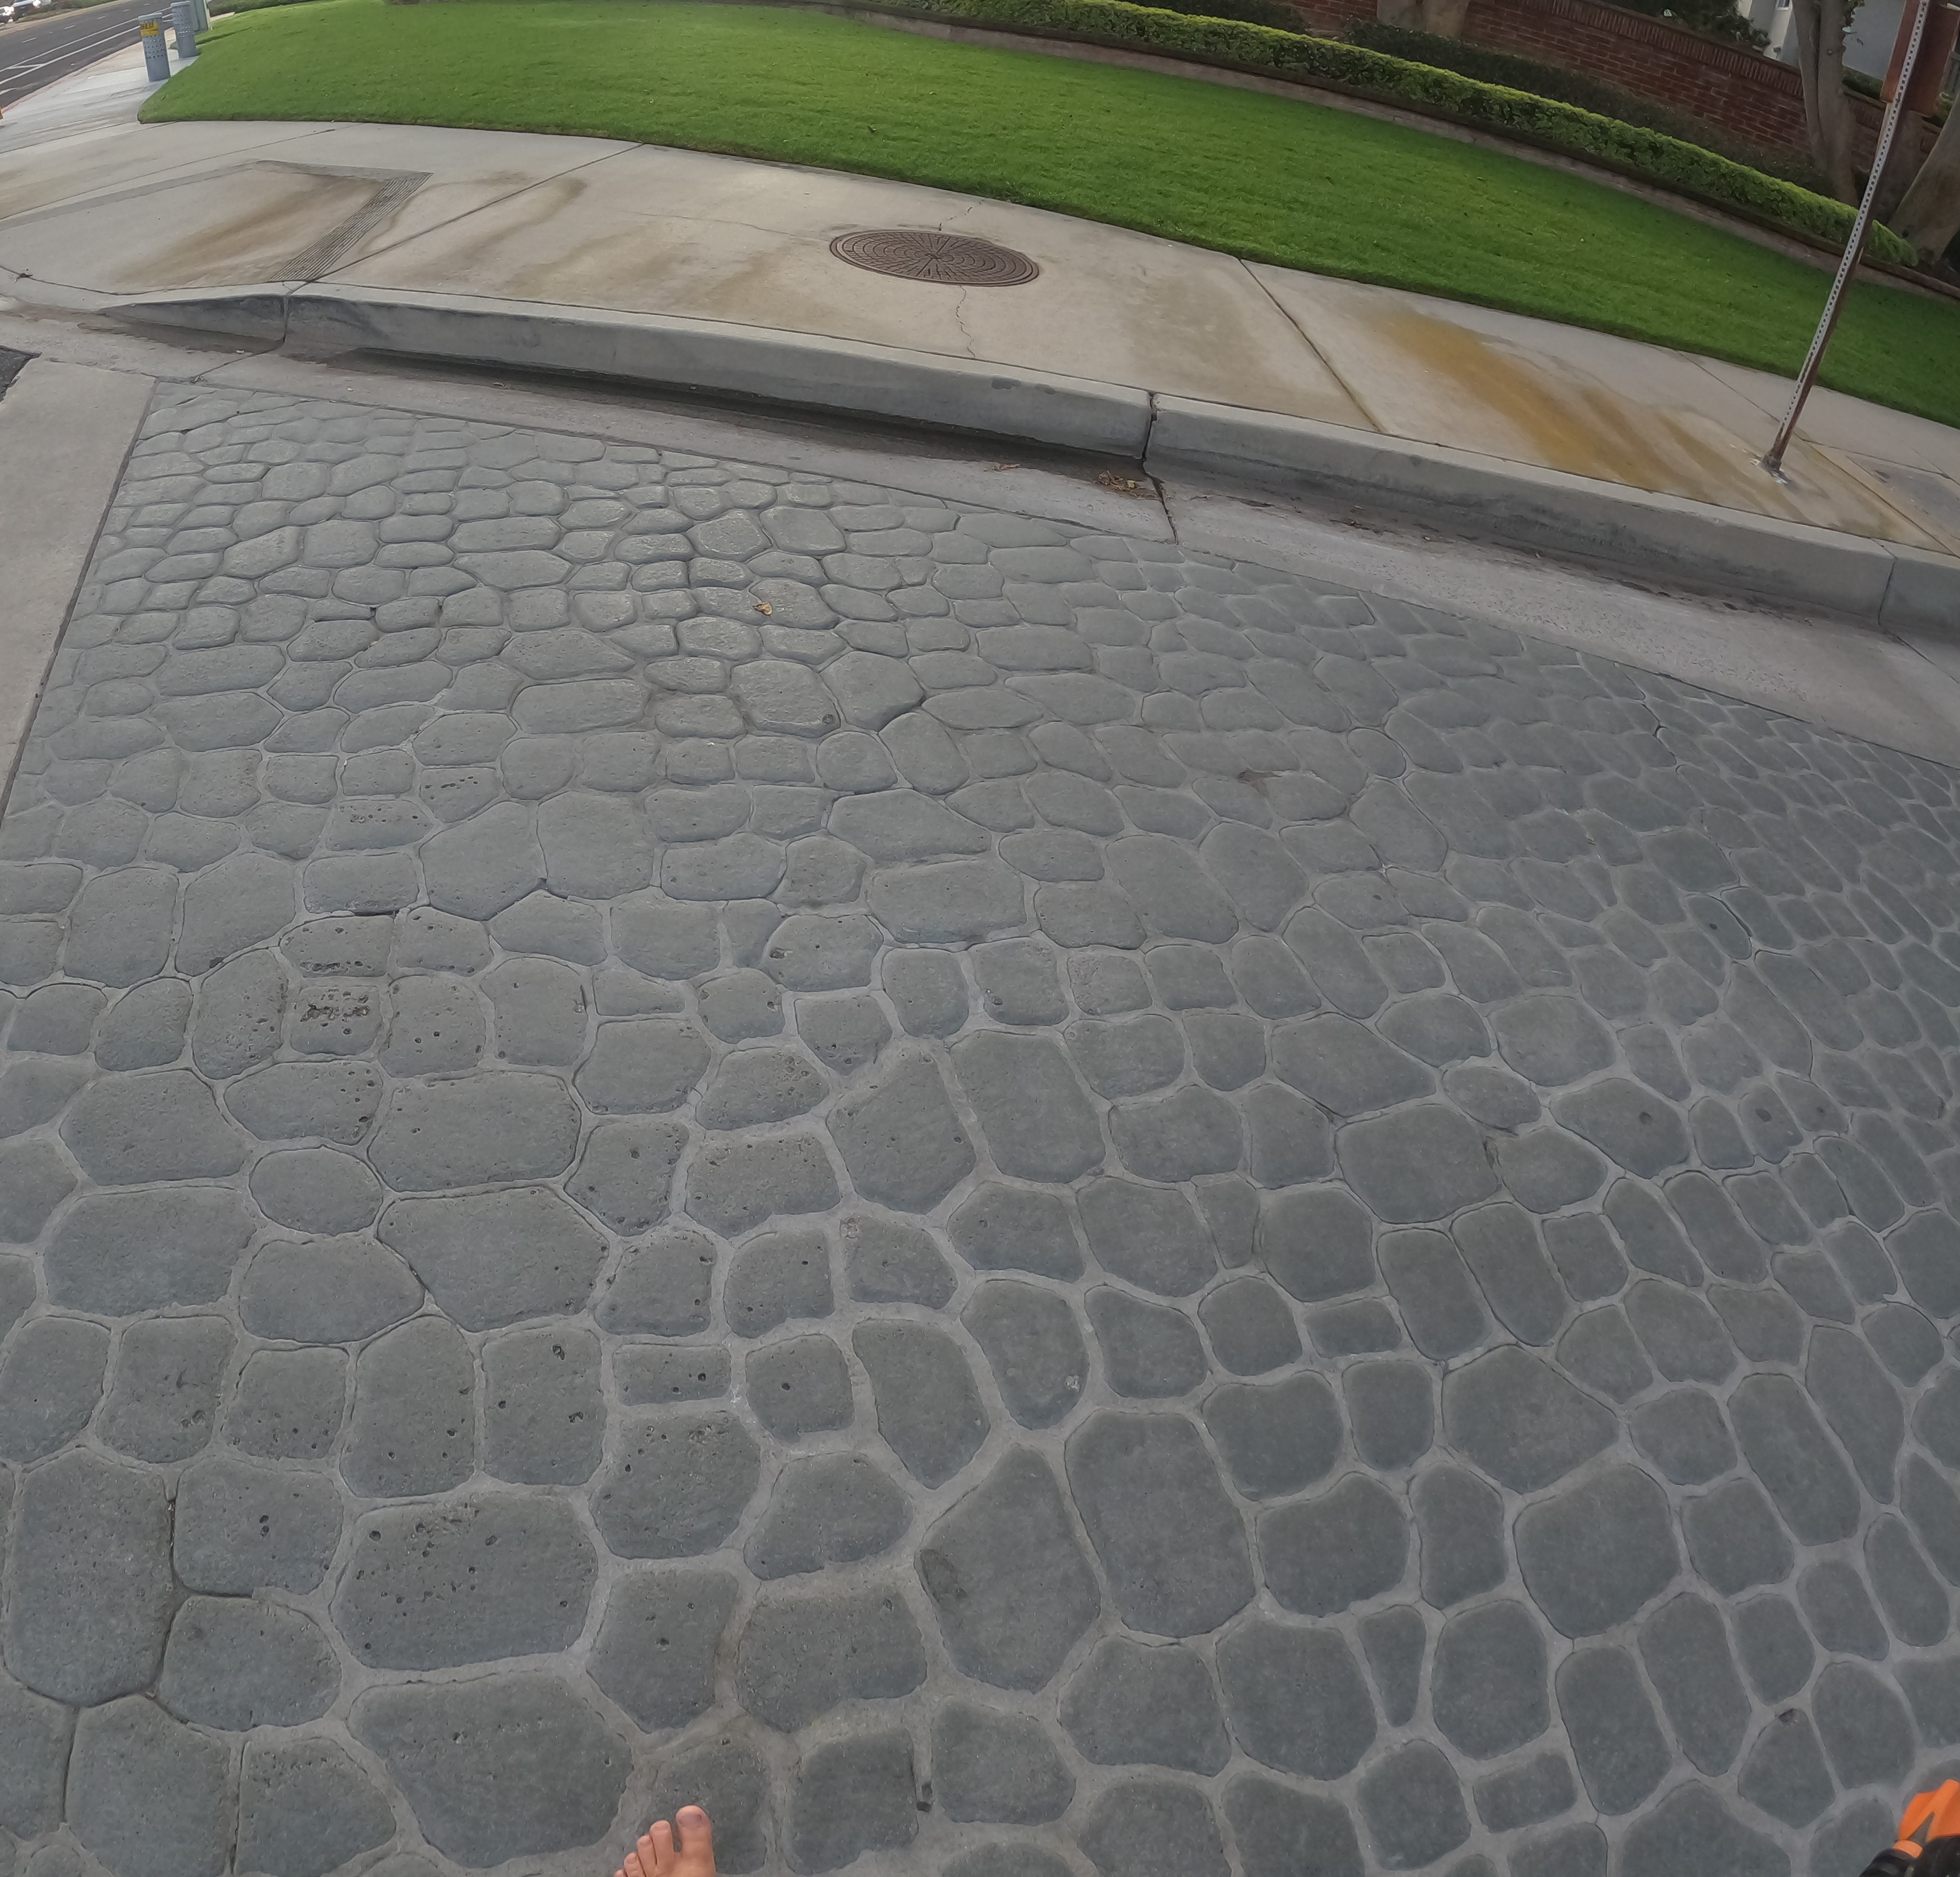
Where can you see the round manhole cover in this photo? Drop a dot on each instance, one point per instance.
(952, 260)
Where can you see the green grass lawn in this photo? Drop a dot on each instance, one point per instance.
(1269, 178)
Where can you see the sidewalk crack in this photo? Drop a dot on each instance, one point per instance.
(960, 319)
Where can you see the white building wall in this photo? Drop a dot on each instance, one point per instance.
(1867, 46)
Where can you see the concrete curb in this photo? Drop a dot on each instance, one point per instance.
(1663, 536)
(1667, 535)
(702, 355)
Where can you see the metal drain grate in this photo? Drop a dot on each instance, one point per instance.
(951, 260)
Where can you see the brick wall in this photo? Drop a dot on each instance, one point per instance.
(1749, 95)
(1333, 17)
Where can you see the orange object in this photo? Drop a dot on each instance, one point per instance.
(1930, 1815)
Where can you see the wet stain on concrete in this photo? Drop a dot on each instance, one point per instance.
(230, 229)
(1561, 417)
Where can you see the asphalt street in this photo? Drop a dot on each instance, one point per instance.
(36, 51)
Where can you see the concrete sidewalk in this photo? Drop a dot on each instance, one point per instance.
(562, 251)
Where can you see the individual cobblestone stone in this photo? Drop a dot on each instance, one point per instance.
(1684, 1434)
(509, 1766)
(544, 1414)
(800, 1387)
(240, 1663)
(1007, 1576)
(241, 1526)
(490, 1259)
(1274, 1827)
(832, 1509)
(1295, 1698)
(1440, 1303)
(1527, 1794)
(802, 1653)
(303, 1801)
(1003, 1227)
(1596, 1552)
(734, 1187)
(1276, 1437)
(37, 1733)
(678, 1486)
(160, 1125)
(1343, 1547)
(662, 1286)
(1784, 1774)
(996, 1767)
(1488, 1688)
(475, 1580)
(1034, 1345)
(655, 1651)
(325, 1290)
(1787, 1446)
(1130, 1704)
(1621, 1752)
(515, 1125)
(1148, 1350)
(151, 1796)
(777, 1278)
(162, 1402)
(1037, 1121)
(1776, 1650)
(1173, 1548)
(414, 1426)
(1461, 1523)
(901, 1141)
(50, 1380)
(889, 1261)
(1839, 1608)
(854, 1793)
(288, 1404)
(145, 1027)
(929, 1411)
(1414, 1806)
(1734, 1539)
(1519, 1421)
(1863, 1724)
(1154, 1828)
(1687, 1658)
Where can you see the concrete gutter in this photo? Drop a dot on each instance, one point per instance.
(1666, 538)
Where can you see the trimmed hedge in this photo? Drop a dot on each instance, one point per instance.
(1666, 162)
(1590, 94)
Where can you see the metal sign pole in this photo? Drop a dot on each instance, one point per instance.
(1773, 461)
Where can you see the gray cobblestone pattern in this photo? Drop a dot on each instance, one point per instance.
(1008, 1201)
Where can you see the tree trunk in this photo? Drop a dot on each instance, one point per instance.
(1820, 62)
(1908, 153)
(1929, 217)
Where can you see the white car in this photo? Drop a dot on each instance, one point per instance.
(13, 9)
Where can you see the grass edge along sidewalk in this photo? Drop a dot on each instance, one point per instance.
(1271, 179)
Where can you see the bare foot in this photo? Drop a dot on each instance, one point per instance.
(684, 1849)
